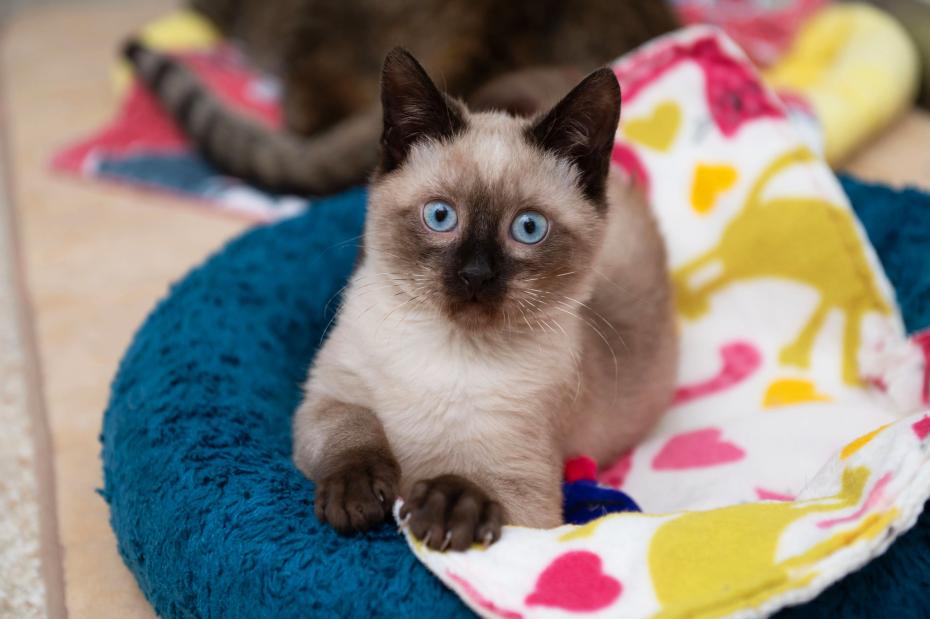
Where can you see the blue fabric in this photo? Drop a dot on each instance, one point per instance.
(210, 514)
(184, 173)
(176, 172)
(585, 500)
(898, 225)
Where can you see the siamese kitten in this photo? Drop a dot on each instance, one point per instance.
(511, 308)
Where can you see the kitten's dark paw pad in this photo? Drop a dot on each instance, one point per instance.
(358, 496)
(451, 512)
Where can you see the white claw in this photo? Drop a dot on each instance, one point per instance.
(487, 539)
(425, 540)
(446, 541)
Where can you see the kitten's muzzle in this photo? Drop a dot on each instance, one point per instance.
(475, 276)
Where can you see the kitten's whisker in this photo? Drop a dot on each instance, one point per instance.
(532, 330)
(328, 325)
(602, 318)
(383, 287)
(522, 307)
(547, 325)
(533, 293)
(596, 314)
(534, 305)
(383, 320)
(610, 281)
(379, 250)
(359, 287)
(335, 294)
(606, 342)
(343, 242)
(576, 360)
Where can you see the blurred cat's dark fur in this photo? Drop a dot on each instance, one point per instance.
(514, 54)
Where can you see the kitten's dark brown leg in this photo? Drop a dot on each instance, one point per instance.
(344, 450)
(451, 512)
(359, 493)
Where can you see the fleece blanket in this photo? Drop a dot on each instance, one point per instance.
(797, 446)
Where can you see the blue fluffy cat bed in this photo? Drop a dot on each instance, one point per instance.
(209, 512)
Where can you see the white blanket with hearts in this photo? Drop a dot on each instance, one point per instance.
(796, 449)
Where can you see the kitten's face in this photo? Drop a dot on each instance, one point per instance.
(492, 220)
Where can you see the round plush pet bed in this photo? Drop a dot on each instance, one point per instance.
(215, 521)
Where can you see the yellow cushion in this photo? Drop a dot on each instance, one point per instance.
(857, 67)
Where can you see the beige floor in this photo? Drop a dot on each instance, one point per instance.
(96, 258)
(22, 586)
(900, 156)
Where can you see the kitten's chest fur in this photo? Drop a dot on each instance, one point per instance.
(436, 388)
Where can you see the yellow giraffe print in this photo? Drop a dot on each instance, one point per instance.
(712, 563)
(805, 239)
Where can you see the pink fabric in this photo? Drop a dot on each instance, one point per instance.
(734, 94)
(765, 33)
(616, 473)
(922, 428)
(922, 339)
(576, 582)
(771, 495)
(739, 361)
(476, 598)
(875, 496)
(697, 449)
(140, 123)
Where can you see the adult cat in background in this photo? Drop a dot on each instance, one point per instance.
(328, 56)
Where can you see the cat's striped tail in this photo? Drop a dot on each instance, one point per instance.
(273, 160)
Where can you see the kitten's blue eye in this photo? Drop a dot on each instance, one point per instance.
(529, 227)
(439, 216)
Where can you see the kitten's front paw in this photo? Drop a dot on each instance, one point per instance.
(451, 512)
(359, 495)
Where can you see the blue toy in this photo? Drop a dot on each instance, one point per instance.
(584, 500)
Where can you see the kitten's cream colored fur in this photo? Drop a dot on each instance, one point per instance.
(580, 359)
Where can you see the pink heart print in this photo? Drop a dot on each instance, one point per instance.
(616, 474)
(575, 581)
(922, 427)
(696, 449)
(739, 361)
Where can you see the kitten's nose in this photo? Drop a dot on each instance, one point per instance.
(475, 275)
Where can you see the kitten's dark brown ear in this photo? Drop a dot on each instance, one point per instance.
(581, 128)
(413, 108)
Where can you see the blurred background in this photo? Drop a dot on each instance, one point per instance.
(90, 237)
